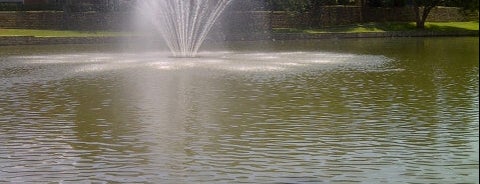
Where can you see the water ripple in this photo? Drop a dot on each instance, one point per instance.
(241, 117)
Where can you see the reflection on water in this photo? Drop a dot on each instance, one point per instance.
(398, 111)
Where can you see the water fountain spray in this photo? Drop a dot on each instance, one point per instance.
(184, 24)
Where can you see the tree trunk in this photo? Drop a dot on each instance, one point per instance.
(422, 9)
(420, 22)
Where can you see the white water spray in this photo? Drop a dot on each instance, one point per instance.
(184, 24)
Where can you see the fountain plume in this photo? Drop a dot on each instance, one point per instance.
(183, 24)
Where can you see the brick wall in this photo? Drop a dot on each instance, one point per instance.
(35, 1)
(438, 14)
(40, 20)
(334, 15)
(98, 21)
(256, 21)
(338, 15)
(446, 14)
(59, 20)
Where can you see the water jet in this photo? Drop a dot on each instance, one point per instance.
(183, 24)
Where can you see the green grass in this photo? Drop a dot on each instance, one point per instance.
(354, 28)
(452, 26)
(385, 27)
(57, 33)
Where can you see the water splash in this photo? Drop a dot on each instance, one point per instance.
(184, 24)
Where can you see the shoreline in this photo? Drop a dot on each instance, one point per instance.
(33, 40)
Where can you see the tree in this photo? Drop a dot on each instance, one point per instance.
(422, 8)
(375, 3)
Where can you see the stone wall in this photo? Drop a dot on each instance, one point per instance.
(341, 15)
(254, 21)
(336, 15)
(260, 21)
(98, 21)
(31, 20)
(59, 20)
(438, 14)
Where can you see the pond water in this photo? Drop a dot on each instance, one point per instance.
(326, 111)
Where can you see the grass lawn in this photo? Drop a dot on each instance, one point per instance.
(385, 27)
(57, 33)
(354, 28)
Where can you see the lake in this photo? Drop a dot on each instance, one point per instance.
(390, 110)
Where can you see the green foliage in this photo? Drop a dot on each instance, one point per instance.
(323, 2)
(429, 3)
(343, 2)
(471, 5)
(375, 3)
(395, 3)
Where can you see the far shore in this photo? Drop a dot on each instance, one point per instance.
(34, 40)
(367, 30)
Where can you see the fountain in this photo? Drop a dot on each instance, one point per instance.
(184, 24)
(290, 111)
